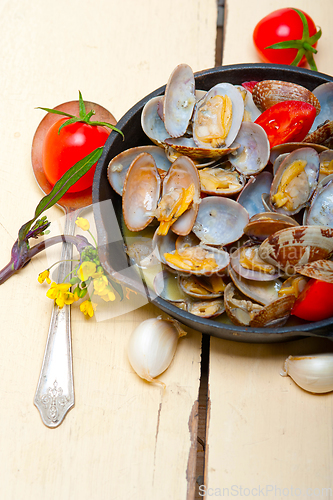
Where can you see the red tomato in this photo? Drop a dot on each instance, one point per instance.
(315, 302)
(249, 85)
(279, 26)
(74, 142)
(287, 121)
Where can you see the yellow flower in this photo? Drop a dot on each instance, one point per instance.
(108, 295)
(86, 270)
(88, 308)
(82, 223)
(59, 293)
(100, 284)
(44, 276)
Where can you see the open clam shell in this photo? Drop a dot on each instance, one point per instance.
(253, 154)
(320, 212)
(187, 147)
(195, 287)
(201, 252)
(119, 165)
(220, 181)
(182, 174)
(256, 269)
(141, 192)
(207, 308)
(179, 100)
(251, 112)
(288, 147)
(320, 269)
(297, 246)
(251, 196)
(264, 224)
(324, 94)
(269, 92)
(326, 163)
(220, 221)
(152, 124)
(208, 129)
(295, 181)
(263, 292)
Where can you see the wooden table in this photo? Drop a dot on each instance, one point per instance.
(124, 439)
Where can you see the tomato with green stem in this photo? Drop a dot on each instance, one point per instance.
(287, 36)
(287, 121)
(69, 140)
(315, 303)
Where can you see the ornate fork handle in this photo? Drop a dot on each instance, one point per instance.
(55, 390)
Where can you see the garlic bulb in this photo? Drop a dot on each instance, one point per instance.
(152, 347)
(314, 373)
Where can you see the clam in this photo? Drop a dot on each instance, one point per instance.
(220, 221)
(264, 224)
(207, 308)
(321, 135)
(178, 206)
(119, 165)
(218, 117)
(324, 94)
(320, 269)
(295, 181)
(288, 147)
(141, 192)
(199, 287)
(152, 124)
(247, 263)
(186, 146)
(326, 163)
(198, 260)
(269, 92)
(179, 100)
(263, 292)
(253, 154)
(294, 285)
(320, 212)
(251, 112)
(251, 196)
(297, 246)
(245, 312)
(220, 181)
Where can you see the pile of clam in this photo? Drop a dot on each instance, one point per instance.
(238, 228)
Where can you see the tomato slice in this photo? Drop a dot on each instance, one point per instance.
(249, 85)
(287, 121)
(315, 303)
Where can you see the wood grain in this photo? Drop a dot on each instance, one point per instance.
(266, 436)
(123, 439)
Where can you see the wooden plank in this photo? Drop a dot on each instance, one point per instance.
(123, 439)
(265, 435)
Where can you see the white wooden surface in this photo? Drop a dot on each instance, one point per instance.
(265, 435)
(122, 439)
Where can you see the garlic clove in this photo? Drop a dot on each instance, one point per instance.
(313, 373)
(152, 346)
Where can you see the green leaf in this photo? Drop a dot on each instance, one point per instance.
(105, 124)
(311, 61)
(61, 187)
(56, 112)
(315, 37)
(298, 57)
(82, 107)
(289, 44)
(305, 35)
(68, 122)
